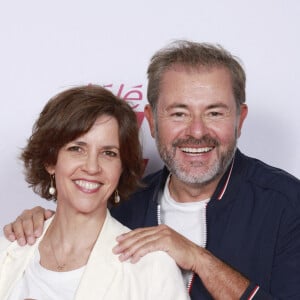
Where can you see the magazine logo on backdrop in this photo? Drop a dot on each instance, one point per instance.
(134, 96)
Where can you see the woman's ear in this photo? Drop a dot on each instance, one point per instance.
(50, 169)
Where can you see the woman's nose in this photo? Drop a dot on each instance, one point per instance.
(92, 164)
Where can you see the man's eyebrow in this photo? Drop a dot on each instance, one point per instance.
(217, 105)
(211, 106)
(176, 105)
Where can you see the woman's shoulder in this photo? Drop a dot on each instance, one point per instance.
(4, 243)
(159, 259)
(115, 225)
(6, 246)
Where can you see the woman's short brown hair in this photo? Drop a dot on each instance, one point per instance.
(71, 114)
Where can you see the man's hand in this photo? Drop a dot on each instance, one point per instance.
(28, 226)
(221, 281)
(137, 243)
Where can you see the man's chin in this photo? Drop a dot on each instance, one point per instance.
(195, 177)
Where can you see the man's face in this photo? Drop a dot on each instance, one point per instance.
(196, 125)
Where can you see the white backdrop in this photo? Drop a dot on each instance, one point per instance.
(47, 46)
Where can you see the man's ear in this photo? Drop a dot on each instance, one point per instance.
(242, 117)
(150, 118)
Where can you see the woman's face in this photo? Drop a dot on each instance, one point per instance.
(88, 169)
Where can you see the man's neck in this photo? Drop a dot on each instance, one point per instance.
(186, 192)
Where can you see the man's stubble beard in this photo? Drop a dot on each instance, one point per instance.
(196, 173)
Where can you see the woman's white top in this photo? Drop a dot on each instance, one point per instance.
(155, 276)
(40, 283)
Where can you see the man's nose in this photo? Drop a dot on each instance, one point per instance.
(197, 127)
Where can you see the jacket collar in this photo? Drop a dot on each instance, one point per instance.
(231, 181)
(232, 173)
(102, 261)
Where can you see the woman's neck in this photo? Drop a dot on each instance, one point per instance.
(69, 240)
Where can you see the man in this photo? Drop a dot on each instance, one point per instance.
(231, 222)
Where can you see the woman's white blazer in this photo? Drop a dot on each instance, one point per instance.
(155, 277)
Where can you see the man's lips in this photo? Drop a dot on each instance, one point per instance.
(195, 150)
(196, 146)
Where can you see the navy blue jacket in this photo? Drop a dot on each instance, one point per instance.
(253, 224)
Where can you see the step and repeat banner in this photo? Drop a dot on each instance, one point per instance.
(48, 46)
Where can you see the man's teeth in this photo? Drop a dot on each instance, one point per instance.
(196, 150)
(87, 185)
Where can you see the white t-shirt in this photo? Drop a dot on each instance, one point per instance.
(188, 219)
(42, 284)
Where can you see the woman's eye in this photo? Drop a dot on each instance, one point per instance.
(110, 153)
(74, 149)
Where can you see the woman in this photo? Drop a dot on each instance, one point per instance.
(85, 153)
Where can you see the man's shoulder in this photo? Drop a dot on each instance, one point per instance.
(149, 182)
(267, 177)
(267, 174)
(132, 212)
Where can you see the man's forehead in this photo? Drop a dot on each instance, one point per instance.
(192, 68)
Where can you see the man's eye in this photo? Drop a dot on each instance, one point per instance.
(215, 115)
(179, 115)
